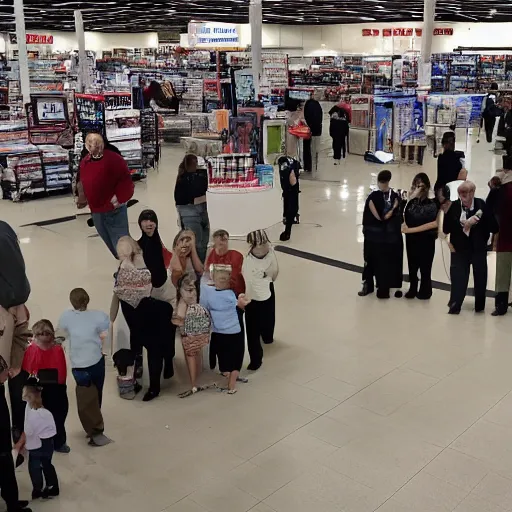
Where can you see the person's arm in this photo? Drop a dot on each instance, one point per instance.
(196, 261)
(463, 174)
(374, 211)
(237, 281)
(29, 426)
(420, 229)
(273, 269)
(114, 307)
(124, 188)
(103, 330)
(392, 211)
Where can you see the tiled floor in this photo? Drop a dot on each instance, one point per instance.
(360, 405)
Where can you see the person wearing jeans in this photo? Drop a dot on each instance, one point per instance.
(107, 186)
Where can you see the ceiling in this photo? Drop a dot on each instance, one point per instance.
(157, 15)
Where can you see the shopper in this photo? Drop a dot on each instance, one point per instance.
(383, 243)
(469, 224)
(491, 111)
(40, 431)
(339, 127)
(507, 121)
(14, 318)
(45, 356)
(190, 196)
(107, 186)
(450, 163)
(8, 483)
(499, 201)
(222, 304)
(295, 118)
(86, 331)
(185, 258)
(314, 117)
(289, 178)
(260, 270)
(420, 228)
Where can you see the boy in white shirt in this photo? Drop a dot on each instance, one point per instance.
(86, 331)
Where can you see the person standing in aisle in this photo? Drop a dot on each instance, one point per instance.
(260, 270)
(450, 163)
(339, 128)
(86, 331)
(289, 171)
(107, 186)
(314, 116)
(190, 196)
(420, 228)
(469, 224)
(491, 111)
(8, 483)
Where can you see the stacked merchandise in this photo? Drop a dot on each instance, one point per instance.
(149, 137)
(440, 71)
(22, 172)
(46, 75)
(494, 68)
(463, 73)
(362, 113)
(15, 132)
(409, 138)
(211, 95)
(274, 76)
(175, 127)
(191, 92)
(56, 168)
(238, 171)
(76, 153)
(244, 82)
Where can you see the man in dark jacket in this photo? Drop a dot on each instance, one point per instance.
(313, 115)
(469, 223)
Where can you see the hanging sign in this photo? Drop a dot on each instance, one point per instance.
(213, 35)
(371, 32)
(387, 32)
(443, 31)
(407, 32)
(39, 39)
(418, 31)
(403, 32)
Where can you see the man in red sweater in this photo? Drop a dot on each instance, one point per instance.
(107, 186)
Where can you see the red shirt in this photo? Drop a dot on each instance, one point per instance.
(36, 359)
(235, 259)
(105, 178)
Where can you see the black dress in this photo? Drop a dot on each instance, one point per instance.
(338, 130)
(383, 243)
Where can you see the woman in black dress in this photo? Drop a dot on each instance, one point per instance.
(383, 243)
(339, 127)
(421, 229)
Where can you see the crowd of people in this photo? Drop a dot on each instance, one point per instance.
(470, 225)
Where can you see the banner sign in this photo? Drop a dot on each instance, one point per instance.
(39, 39)
(443, 31)
(407, 32)
(371, 32)
(213, 35)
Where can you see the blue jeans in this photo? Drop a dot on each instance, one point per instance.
(40, 463)
(111, 226)
(195, 218)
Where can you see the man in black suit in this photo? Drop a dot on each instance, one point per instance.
(469, 223)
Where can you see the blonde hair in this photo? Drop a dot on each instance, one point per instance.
(179, 235)
(42, 325)
(79, 299)
(127, 242)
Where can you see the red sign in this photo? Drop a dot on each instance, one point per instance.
(387, 32)
(372, 32)
(418, 31)
(443, 31)
(404, 32)
(39, 39)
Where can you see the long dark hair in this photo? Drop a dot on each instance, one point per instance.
(421, 178)
(185, 165)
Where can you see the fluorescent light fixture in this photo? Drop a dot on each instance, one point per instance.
(365, 18)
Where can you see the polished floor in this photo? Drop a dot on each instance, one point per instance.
(360, 405)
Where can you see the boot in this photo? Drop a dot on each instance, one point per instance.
(501, 304)
(368, 289)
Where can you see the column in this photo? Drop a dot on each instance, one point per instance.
(256, 21)
(425, 66)
(82, 58)
(21, 36)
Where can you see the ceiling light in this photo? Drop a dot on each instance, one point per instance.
(492, 12)
(365, 18)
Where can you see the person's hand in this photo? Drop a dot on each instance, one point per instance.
(243, 301)
(388, 215)
(473, 221)
(405, 229)
(450, 246)
(115, 202)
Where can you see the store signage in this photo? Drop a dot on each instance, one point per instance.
(387, 32)
(443, 31)
(213, 35)
(39, 39)
(371, 32)
(408, 32)
(404, 32)
(418, 31)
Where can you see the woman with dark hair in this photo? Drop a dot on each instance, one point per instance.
(450, 163)
(339, 128)
(420, 227)
(190, 196)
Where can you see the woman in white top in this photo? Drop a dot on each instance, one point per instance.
(260, 269)
(39, 432)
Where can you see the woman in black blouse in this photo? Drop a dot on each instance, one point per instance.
(420, 228)
(190, 197)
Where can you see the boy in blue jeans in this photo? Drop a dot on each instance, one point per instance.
(86, 331)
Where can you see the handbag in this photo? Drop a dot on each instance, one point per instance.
(301, 130)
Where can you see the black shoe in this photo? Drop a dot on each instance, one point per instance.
(51, 492)
(168, 371)
(411, 294)
(480, 310)
(383, 294)
(90, 222)
(454, 309)
(284, 237)
(254, 367)
(399, 294)
(36, 495)
(297, 219)
(22, 504)
(269, 342)
(150, 395)
(137, 388)
(367, 290)
(424, 296)
(21, 509)
(499, 312)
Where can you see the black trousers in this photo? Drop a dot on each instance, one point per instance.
(306, 155)
(489, 123)
(8, 484)
(368, 270)
(421, 248)
(17, 404)
(214, 348)
(459, 275)
(260, 321)
(339, 146)
(290, 207)
(55, 399)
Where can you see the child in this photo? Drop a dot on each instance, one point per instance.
(39, 433)
(86, 331)
(260, 270)
(227, 336)
(45, 354)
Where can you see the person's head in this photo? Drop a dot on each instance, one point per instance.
(127, 248)
(43, 332)
(4, 370)
(95, 145)
(466, 191)
(188, 289)
(259, 244)
(421, 185)
(443, 194)
(188, 164)
(448, 141)
(221, 276)
(383, 179)
(79, 299)
(32, 393)
(183, 242)
(494, 86)
(148, 222)
(221, 241)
